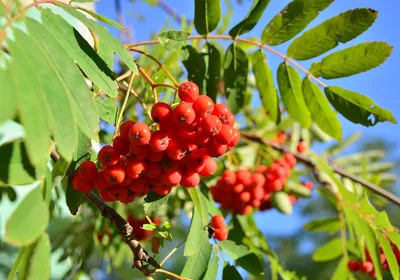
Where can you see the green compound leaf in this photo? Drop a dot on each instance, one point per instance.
(248, 23)
(289, 83)
(357, 108)
(265, 85)
(320, 109)
(326, 36)
(102, 18)
(292, 20)
(328, 251)
(207, 14)
(196, 235)
(173, 40)
(351, 61)
(107, 109)
(197, 264)
(236, 68)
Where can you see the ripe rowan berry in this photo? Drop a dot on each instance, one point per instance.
(217, 221)
(215, 149)
(153, 169)
(235, 139)
(183, 114)
(221, 234)
(124, 129)
(367, 266)
(301, 147)
(139, 134)
(243, 176)
(155, 156)
(245, 197)
(196, 162)
(139, 185)
(229, 177)
(121, 145)
(225, 135)
(203, 106)
(136, 168)
(171, 177)
(176, 150)
(309, 185)
(159, 141)
(138, 152)
(114, 174)
(108, 156)
(190, 179)
(100, 182)
(161, 112)
(87, 170)
(222, 111)
(209, 168)
(81, 185)
(105, 195)
(238, 188)
(118, 192)
(211, 125)
(188, 91)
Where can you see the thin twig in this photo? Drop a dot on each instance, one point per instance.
(227, 37)
(372, 187)
(136, 95)
(172, 252)
(122, 109)
(160, 270)
(124, 76)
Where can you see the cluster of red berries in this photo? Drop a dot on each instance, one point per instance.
(368, 267)
(141, 160)
(281, 138)
(220, 231)
(138, 232)
(242, 191)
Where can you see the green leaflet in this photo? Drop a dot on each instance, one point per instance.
(107, 109)
(173, 40)
(282, 202)
(212, 61)
(339, 147)
(320, 109)
(324, 224)
(102, 18)
(34, 110)
(196, 235)
(353, 60)
(153, 201)
(104, 35)
(200, 204)
(341, 272)
(197, 264)
(371, 242)
(207, 14)
(194, 64)
(265, 85)
(326, 36)
(289, 83)
(248, 23)
(329, 251)
(79, 49)
(236, 68)
(212, 270)
(28, 220)
(390, 257)
(8, 105)
(15, 166)
(357, 108)
(292, 20)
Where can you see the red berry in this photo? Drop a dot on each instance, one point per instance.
(367, 266)
(171, 177)
(231, 120)
(245, 197)
(209, 168)
(155, 156)
(161, 112)
(170, 128)
(190, 179)
(203, 106)
(176, 150)
(292, 199)
(100, 182)
(221, 234)
(105, 195)
(225, 135)
(118, 192)
(301, 147)
(290, 159)
(188, 92)
(196, 162)
(87, 170)
(124, 129)
(211, 125)
(222, 111)
(229, 177)
(121, 145)
(218, 221)
(114, 174)
(108, 156)
(163, 190)
(183, 114)
(309, 185)
(169, 164)
(139, 152)
(243, 176)
(136, 168)
(139, 134)
(215, 149)
(238, 188)
(257, 179)
(159, 141)
(139, 186)
(153, 169)
(257, 193)
(235, 139)
(81, 185)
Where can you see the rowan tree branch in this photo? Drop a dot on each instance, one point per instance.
(372, 187)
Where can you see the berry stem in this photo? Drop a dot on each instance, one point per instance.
(372, 187)
(254, 43)
(142, 103)
(160, 270)
(124, 76)
(162, 66)
(121, 111)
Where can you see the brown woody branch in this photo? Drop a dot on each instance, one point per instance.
(372, 187)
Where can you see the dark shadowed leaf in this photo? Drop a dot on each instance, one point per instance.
(102, 18)
(207, 14)
(324, 224)
(212, 60)
(236, 68)
(328, 251)
(197, 264)
(292, 20)
(196, 235)
(357, 108)
(265, 85)
(230, 273)
(353, 60)
(107, 109)
(194, 64)
(173, 40)
(28, 220)
(153, 201)
(289, 83)
(320, 109)
(326, 36)
(251, 18)
(73, 198)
